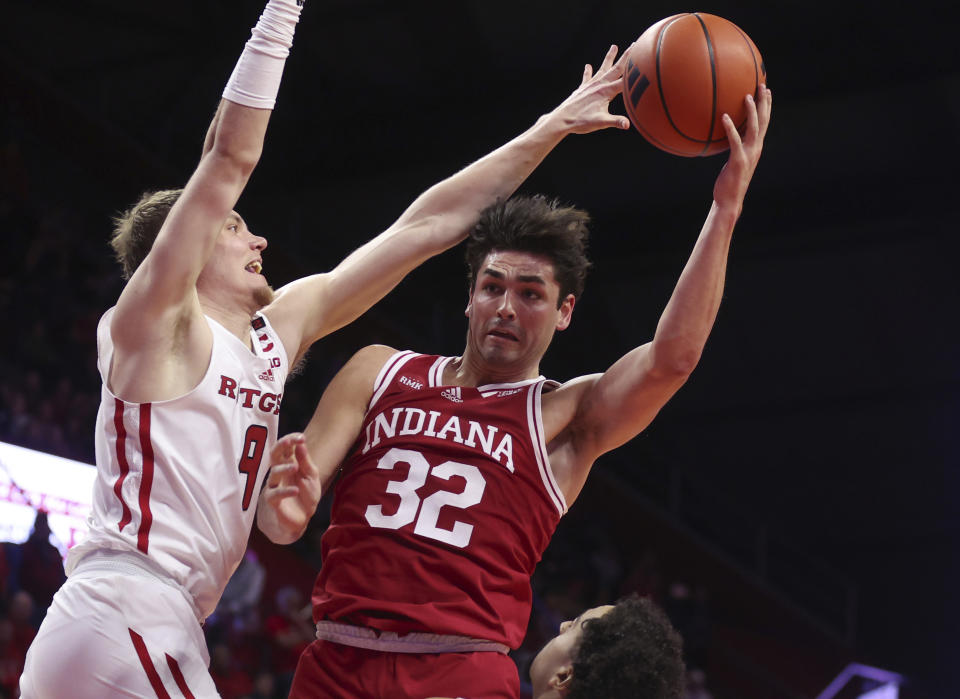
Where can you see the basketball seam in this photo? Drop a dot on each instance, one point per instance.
(713, 77)
(756, 67)
(709, 141)
(663, 101)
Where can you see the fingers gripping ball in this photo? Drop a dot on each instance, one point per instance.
(683, 74)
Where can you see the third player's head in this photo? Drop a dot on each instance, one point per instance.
(527, 264)
(626, 651)
(233, 271)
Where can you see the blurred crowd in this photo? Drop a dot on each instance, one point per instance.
(59, 282)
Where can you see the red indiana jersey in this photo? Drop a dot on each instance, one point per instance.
(443, 509)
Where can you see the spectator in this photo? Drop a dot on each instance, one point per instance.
(240, 603)
(41, 566)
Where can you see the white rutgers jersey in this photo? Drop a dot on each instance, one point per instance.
(178, 480)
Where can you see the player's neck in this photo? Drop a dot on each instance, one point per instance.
(473, 370)
(235, 320)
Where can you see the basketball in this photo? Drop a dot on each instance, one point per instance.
(683, 74)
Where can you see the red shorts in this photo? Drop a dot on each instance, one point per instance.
(330, 670)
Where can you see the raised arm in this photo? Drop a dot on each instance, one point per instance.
(609, 409)
(302, 466)
(439, 218)
(160, 299)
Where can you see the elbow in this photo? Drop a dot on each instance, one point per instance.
(240, 160)
(430, 233)
(678, 364)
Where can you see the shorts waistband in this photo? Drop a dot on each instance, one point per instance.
(414, 642)
(96, 563)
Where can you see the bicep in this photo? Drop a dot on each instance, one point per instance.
(297, 313)
(623, 401)
(338, 419)
(323, 303)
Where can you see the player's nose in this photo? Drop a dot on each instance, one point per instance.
(257, 242)
(505, 309)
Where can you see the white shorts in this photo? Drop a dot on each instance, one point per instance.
(110, 634)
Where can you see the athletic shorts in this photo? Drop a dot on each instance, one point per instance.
(330, 670)
(114, 634)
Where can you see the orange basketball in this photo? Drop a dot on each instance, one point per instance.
(683, 74)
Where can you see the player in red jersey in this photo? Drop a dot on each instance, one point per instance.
(454, 471)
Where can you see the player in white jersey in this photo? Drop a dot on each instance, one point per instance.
(142, 509)
(153, 459)
(193, 359)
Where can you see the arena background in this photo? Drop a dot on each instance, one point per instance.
(816, 448)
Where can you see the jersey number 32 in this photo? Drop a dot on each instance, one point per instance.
(426, 511)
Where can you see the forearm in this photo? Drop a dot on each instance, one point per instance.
(240, 123)
(232, 148)
(688, 318)
(459, 198)
(686, 322)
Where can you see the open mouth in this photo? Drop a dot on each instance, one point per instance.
(254, 267)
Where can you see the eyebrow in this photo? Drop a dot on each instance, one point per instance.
(524, 278)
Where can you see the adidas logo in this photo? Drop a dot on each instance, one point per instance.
(452, 394)
(267, 375)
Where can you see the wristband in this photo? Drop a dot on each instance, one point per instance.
(255, 80)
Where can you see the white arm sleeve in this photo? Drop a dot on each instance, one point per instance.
(256, 78)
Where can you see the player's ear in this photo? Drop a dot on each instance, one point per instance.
(562, 679)
(469, 307)
(565, 312)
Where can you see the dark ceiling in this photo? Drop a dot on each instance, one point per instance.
(827, 404)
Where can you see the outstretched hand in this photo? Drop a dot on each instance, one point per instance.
(293, 488)
(588, 107)
(731, 185)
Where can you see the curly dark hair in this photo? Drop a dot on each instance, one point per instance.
(136, 228)
(632, 652)
(536, 225)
